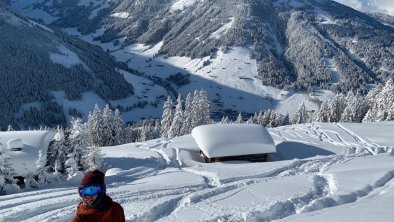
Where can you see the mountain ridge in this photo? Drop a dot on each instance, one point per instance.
(274, 28)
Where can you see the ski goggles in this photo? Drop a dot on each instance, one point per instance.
(90, 190)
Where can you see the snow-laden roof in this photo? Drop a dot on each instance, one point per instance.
(220, 140)
(33, 141)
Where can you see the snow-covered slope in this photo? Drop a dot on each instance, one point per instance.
(37, 61)
(236, 50)
(24, 160)
(385, 6)
(322, 172)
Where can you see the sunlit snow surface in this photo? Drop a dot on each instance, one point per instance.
(182, 4)
(323, 172)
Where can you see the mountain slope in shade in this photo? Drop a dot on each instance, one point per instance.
(297, 43)
(37, 61)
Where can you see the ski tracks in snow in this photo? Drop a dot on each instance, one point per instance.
(323, 185)
(39, 206)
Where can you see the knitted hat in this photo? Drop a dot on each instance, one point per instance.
(92, 177)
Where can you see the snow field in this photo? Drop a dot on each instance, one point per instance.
(167, 180)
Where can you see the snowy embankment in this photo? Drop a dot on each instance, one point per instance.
(324, 172)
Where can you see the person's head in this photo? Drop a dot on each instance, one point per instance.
(91, 185)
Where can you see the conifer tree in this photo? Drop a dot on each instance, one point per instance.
(301, 116)
(29, 179)
(224, 120)
(106, 128)
(337, 106)
(57, 152)
(384, 101)
(380, 102)
(252, 119)
(43, 176)
(166, 119)
(79, 140)
(92, 158)
(187, 123)
(259, 118)
(118, 128)
(9, 128)
(355, 109)
(239, 118)
(201, 109)
(94, 124)
(7, 172)
(176, 125)
(390, 115)
(286, 120)
(266, 119)
(274, 120)
(145, 131)
(323, 113)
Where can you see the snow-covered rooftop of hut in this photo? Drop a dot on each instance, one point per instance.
(32, 141)
(221, 140)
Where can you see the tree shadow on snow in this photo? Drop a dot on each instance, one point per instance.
(131, 168)
(290, 150)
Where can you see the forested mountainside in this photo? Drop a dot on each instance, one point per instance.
(37, 61)
(297, 43)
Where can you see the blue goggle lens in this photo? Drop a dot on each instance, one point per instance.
(91, 190)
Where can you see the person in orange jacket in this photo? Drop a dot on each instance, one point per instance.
(96, 206)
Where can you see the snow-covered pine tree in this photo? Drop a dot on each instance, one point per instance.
(176, 125)
(337, 106)
(149, 130)
(224, 120)
(29, 179)
(239, 118)
(156, 129)
(355, 109)
(92, 158)
(9, 128)
(348, 114)
(57, 152)
(259, 118)
(252, 119)
(381, 100)
(371, 114)
(390, 115)
(145, 131)
(7, 172)
(201, 109)
(187, 123)
(94, 124)
(105, 130)
(118, 128)
(132, 133)
(300, 116)
(266, 119)
(323, 113)
(274, 120)
(43, 176)
(384, 101)
(167, 117)
(286, 120)
(79, 140)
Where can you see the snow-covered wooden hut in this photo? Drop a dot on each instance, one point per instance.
(23, 147)
(218, 142)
